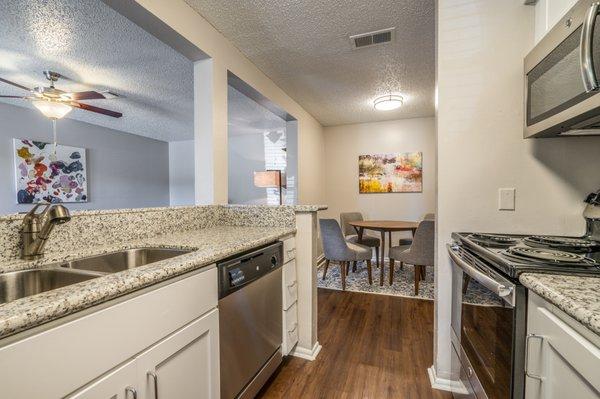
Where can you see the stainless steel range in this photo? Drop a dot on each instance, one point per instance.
(489, 341)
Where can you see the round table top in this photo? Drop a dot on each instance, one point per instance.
(385, 225)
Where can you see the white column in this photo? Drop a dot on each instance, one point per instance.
(308, 346)
(210, 132)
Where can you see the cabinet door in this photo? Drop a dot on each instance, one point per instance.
(119, 384)
(184, 365)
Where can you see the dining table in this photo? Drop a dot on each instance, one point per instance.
(383, 226)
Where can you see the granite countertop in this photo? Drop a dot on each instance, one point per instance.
(209, 245)
(578, 296)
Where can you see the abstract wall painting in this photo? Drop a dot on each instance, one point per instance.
(390, 173)
(42, 175)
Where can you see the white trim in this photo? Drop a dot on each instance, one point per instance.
(445, 384)
(307, 354)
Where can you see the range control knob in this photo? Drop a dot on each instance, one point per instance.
(273, 261)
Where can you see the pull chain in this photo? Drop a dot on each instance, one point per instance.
(54, 136)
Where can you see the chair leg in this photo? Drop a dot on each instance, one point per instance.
(423, 273)
(401, 265)
(370, 271)
(325, 268)
(377, 257)
(417, 278)
(391, 271)
(354, 267)
(347, 268)
(343, 273)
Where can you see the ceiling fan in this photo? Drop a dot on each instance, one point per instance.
(55, 103)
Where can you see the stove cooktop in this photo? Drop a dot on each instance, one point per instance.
(515, 254)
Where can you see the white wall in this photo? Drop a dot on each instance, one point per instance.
(343, 145)
(181, 172)
(225, 56)
(481, 46)
(124, 170)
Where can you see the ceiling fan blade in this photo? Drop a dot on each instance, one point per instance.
(14, 84)
(14, 97)
(98, 110)
(85, 95)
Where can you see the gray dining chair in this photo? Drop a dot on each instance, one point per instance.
(408, 241)
(419, 254)
(337, 249)
(351, 235)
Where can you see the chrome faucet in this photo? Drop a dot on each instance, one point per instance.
(36, 228)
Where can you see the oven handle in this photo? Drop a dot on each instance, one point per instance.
(586, 55)
(499, 289)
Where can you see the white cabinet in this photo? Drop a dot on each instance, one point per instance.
(171, 329)
(185, 365)
(562, 362)
(548, 13)
(290, 297)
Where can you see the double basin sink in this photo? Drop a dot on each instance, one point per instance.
(24, 283)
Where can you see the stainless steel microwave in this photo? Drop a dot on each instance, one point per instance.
(562, 72)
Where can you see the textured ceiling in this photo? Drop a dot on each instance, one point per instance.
(95, 47)
(303, 46)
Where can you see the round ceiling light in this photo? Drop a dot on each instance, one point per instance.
(388, 102)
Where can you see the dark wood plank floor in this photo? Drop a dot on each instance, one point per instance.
(374, 346)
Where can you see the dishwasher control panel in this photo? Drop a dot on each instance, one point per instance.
(243, 269)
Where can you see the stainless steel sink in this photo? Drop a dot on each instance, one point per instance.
(24, 283)
(123, 260)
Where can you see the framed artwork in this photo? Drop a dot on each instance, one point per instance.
(390, 173)
(43, 175)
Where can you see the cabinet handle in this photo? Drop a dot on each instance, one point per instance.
(154, 377)
(290, 286)
(132, 391)
(291, 251)
(293, 329)
(527, 373)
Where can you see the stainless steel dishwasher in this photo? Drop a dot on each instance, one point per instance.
(250, 320)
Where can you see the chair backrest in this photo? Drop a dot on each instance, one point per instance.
(334, 243)
(429, 216)
(423, 243)
(346, 217)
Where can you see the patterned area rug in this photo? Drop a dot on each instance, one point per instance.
(404, 283)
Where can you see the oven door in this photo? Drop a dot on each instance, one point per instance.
(488, 328)
(561, 76)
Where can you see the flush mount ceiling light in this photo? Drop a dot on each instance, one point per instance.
(52, 109)
(388, 102)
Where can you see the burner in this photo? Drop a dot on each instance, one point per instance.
(548, 255)
(563, 243)
(493, 239)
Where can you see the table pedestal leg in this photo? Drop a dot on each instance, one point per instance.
(382, 257)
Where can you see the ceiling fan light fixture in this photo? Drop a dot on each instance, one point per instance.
(52, 109)
(388, 102)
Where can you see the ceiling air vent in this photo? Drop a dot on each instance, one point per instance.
(372, 38)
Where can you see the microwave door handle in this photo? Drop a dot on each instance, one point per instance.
(586, 55)
(499, 289)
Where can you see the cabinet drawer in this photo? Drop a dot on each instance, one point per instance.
(289, 249)
(290, 284)
(290, 328)
(85, 348)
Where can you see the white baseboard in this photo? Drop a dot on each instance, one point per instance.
(445, 384)
(308, 354)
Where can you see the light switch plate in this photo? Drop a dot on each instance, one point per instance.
(506, 199)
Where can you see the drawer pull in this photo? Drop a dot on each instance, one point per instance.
(132, 391)
(154, 377)
(293, 329)
(291, 251)
(290, 286)
(527, 373)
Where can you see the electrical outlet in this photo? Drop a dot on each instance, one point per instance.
(506, 199)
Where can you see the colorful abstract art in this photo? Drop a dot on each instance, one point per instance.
(390, 173)
(42, 175)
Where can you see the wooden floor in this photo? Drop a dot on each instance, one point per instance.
(374, 346)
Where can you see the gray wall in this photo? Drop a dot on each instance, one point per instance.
(181, 172)
(124, 170)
